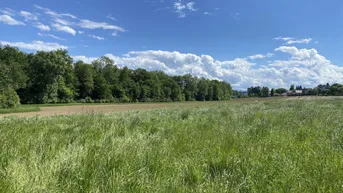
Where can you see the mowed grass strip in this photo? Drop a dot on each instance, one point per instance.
(273, 146)
(20, 109)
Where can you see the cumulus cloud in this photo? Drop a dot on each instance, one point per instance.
(305, 57)
(182, 8)
(6, 19)
(63, 28)
(84, 59)
(96, 37)
(28, 16)
(35, 45)
(42, 27)
(305, 66)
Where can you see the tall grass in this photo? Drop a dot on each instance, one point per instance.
(20, 109)
(277, 146)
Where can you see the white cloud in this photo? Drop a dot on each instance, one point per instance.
(55, 14)
(63, 28)
(207, 13)
(190, 6)
(99, 25)
(182, 8)
(96, 37)
(306, 67)
(283, 38)
(290, 40)
(114, 34)
(84, 59)
(6, 19)
(261, 56)
(50, 35)
(36, 45)
(306, 57)
(62, 21)
(111, 18)
(8, 11)
(28, 15)
(80, 32)
(300, 41)
(42, 27)
(69, 15)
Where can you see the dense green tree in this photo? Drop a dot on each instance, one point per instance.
(13, 64)
(46, 69)
(85, 82)
(51, 77)
(336, 89)
(265, 91)
(255, 91)
(272, 92)
(292, 88)
(280, 90)
(203, 85)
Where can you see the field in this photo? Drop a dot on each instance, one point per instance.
(283, 145)
(79, 108)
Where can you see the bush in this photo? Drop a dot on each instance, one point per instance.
(125, 99)
(89, 100)
(9, 99)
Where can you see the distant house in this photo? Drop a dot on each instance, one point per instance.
(298, 92)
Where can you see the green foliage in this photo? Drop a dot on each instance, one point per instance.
(272, 92)
(255, 91)
(274, 146)
(292, 88)
(20, 109)
(265, 91)
(9, 99)
(336, 90)
(280, 90)
(51, 77)
(13, 65)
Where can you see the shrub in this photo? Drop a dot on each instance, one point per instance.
(89, 100)
(125, 99)
(9, 99)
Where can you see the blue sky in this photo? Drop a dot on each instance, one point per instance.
(267, 42)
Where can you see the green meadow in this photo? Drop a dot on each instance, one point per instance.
(293, 145)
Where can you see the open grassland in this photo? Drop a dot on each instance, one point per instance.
(269, 146)
(20, 109)
(78, 108)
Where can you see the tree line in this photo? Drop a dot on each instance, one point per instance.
(320, 90)
(53, 77)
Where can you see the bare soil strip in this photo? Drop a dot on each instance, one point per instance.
(86, 109)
